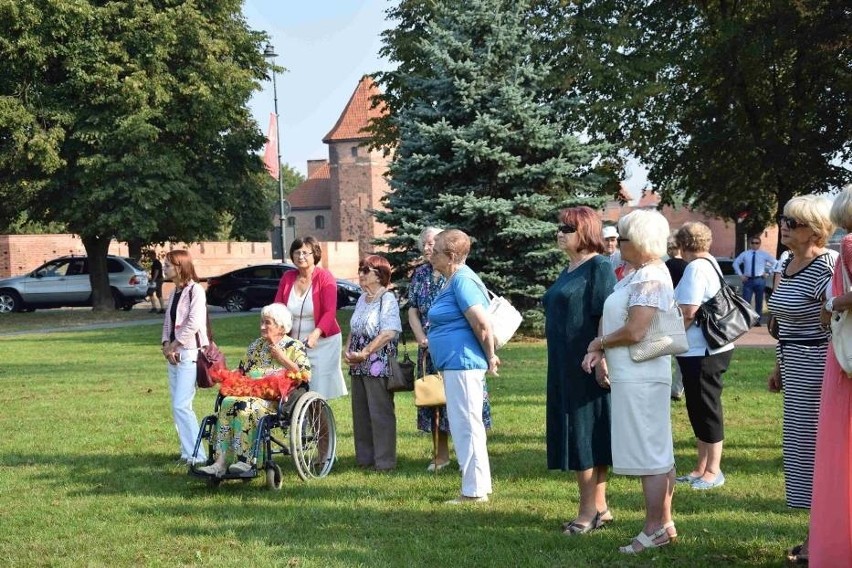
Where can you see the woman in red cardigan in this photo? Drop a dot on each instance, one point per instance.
(310, 293)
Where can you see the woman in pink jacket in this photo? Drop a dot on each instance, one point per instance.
(184, 333)
(310, 293)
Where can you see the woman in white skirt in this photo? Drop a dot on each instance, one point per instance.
(310, 293)
(641, 416)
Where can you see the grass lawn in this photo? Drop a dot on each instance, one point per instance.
(89, 476)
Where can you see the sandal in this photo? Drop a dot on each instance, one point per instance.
(603, 522)
(574, 528)
(795, 557)
(648, 540)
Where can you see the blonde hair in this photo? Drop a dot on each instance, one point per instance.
(815, 212)
(694, 236)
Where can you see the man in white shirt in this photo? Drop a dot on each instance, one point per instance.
(610, 238)
(752, 266)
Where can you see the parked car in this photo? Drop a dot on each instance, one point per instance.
(64, 282)
(727, 266)
(255, 286)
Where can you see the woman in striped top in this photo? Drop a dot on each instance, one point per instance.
(802, 340)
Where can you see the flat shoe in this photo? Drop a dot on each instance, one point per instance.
(213, 469)
(701, 485)
(239, 467)
(686, 479)
(437, 466)
(575, 528)
(602, 521)
(461, 499)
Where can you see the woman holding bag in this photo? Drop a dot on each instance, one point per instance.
(184, 333)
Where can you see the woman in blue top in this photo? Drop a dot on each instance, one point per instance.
(462, 346)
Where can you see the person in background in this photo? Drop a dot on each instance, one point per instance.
(779, 268)
(184, 333)
(701, 366)
(751, 266)
(156, 279)
(462, 345)
(375, 326)
(236, 427)
(803, 341)
(310, 293)
(641, 407)
(578, 408)
(676, 266)
(831, 503)
(611, 252)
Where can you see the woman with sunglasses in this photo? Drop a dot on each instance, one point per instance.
(310, 293)
(372, 341)
(578, 407)
(802, 342)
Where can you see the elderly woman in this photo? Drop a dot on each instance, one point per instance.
(310, 293)
(375, 326)
(641, 415)
(702, 367)
(802, 341)
(236, 427)
(578, 410)
(831, 521)
(184, 333)
(462, 347)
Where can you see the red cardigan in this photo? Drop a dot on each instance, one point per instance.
(323, 294)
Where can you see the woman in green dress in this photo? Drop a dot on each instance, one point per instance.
(578, 408)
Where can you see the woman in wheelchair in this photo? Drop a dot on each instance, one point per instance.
(238, 417)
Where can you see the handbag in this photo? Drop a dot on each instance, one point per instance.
(401, 373)
(841, 331)
(505, 319)
(726, 316)
(429, 390)
(208, 358)
(666, 336)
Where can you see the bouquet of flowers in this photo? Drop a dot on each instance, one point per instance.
(273, 386)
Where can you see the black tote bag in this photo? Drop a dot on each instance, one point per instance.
(726, 316)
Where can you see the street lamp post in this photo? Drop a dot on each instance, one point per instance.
(283, 205)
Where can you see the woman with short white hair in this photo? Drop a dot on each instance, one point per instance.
(641, 410)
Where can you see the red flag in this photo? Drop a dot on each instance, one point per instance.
(270, 154)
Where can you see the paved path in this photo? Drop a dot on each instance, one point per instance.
(756, 337)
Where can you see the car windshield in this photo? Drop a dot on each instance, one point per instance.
(132, 262)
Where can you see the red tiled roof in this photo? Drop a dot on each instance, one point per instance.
(357, 114)
(314, 192)
(649, 198)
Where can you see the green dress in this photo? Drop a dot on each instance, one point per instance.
(578, 409)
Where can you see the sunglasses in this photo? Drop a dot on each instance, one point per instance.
(567, 229)
(366, 270)
(755, 242)
(789, 222)
(620, 240)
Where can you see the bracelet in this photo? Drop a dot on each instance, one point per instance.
(603, 337)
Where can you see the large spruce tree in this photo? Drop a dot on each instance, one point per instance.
(479, 144)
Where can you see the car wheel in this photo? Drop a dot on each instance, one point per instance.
(118, 299)
(10, 302)
(236, 302)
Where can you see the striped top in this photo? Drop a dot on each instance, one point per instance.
(797, 301)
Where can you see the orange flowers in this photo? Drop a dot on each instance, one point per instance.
(273, 386)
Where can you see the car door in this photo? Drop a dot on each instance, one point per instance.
(63, 282)
(260, 284)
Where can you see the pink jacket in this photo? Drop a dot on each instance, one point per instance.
(190, 317)
(323, 294)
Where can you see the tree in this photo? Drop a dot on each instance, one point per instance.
(736, 106)
(128, 120)
(477, 149)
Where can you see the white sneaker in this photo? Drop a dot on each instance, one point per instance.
(461, 499)
(239, 467)
(213, 469)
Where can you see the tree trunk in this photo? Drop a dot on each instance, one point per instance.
(96, 250)
(134, 248)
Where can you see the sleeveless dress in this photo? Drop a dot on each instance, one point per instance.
(326, 373)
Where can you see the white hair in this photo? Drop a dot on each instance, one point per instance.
(841, 211)
(424, 234)
(280, 316)
(647, 230)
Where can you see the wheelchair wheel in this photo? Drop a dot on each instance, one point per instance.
(313, 436)
(273, 477)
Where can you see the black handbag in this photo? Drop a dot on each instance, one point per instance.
(726, 316)
(401, 373)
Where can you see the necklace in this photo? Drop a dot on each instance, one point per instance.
(646, 263)
(374, 295)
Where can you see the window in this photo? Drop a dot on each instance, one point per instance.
(319, 222)
(291, 221)
(354, 151)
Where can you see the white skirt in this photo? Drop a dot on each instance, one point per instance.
(326, 375)
(641, 428)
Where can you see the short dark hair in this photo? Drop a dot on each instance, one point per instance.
(380, 264)
(307, 241)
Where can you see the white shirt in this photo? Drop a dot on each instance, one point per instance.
(700, 282)
(754, 263)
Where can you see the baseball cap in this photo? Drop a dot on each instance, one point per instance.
(610, 232)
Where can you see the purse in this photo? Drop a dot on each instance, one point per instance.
(841, 331)
(505, 319)
(401, 373)
(666, 336)
(726, 316)
(429, 391)
(208, 358)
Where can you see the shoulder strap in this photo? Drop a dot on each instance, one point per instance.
(209, 327)
(718, 273)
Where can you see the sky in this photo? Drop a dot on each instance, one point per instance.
(326, 47)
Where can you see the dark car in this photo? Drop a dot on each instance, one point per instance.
(255, 286)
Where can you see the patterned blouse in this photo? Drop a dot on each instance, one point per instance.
(259, 360)
(424, 287)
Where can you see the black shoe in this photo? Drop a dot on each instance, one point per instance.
(161, 312)
(152, 311)
(758, 324)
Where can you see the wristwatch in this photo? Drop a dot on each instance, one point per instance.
(829, 305)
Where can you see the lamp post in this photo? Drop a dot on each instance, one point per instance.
(283, 205)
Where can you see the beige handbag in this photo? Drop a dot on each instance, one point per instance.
(666, 336)
(429, 391)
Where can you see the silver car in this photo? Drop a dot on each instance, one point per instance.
(64, 282)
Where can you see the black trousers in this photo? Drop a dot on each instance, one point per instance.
(702, 385)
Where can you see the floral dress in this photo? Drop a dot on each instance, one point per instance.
(239, 415)
(424, 287)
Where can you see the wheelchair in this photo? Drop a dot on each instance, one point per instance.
(296, 429)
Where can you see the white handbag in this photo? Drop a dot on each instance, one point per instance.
(505, 319)
(666, 336)
(841, 331)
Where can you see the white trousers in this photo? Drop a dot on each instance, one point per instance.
(182, 390)
(465, 390)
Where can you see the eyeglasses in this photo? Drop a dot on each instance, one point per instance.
(755, 242)
(303, 253)
(567, 229)
(620, 240)
(366, 270)
(790, 222)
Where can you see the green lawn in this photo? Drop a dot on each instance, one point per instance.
(89, 476)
